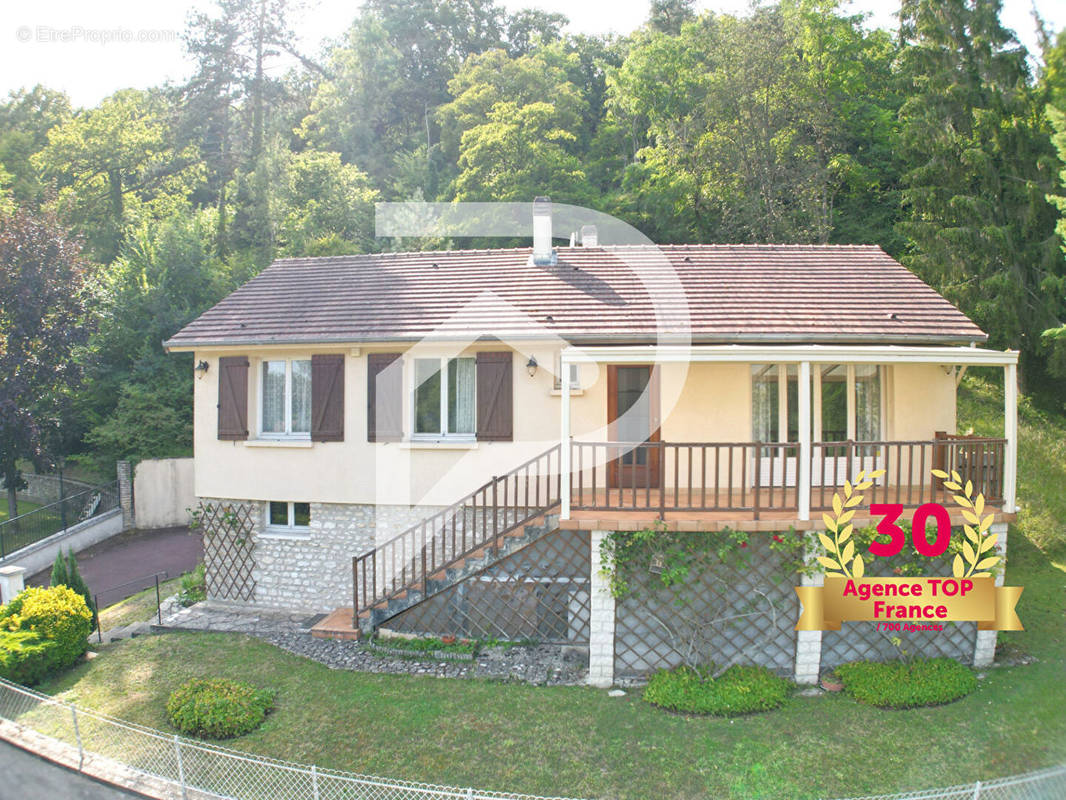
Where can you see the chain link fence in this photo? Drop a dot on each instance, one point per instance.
(192, 769)
(173, 766)
(1044, 784)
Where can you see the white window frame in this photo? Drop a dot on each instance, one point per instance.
(290, 526)
(413, 397)
(557, 375)
(288, 432)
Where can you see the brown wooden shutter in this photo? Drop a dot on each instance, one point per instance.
(233, 397)
(384, 397)
(495, 406)
(327, 398)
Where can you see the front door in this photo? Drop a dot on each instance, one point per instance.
(633, 417)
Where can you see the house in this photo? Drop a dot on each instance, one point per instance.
(439, 441)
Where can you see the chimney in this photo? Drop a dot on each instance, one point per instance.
(589, 236)
(543, 254)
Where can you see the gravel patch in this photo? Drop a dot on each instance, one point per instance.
(540, 665)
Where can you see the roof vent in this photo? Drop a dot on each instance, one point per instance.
(589, 236)
(543, 255)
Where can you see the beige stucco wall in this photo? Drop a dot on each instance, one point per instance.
(163, 491)
(703, 402)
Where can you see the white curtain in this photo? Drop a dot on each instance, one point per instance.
(764, 407)
(461, 400)
(301, 396)
(867, 402)
(273, 397)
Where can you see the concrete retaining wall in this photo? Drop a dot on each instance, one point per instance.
(44, 489)
(40, 555)
(163, 492)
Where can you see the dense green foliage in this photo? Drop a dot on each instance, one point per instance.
(65, 572)
(219, 708)
(42, 631)
(792, 122)
(902, 684)
(738, 690)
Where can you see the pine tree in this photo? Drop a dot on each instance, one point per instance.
(59, 571)
(981, 166)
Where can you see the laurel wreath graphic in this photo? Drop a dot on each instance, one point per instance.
(840, 547)
(971, 562)
(842, 560)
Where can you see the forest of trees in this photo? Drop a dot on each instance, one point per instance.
(942, 141)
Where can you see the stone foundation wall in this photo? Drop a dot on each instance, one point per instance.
(311, 570)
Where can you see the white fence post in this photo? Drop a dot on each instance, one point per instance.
(314, 781)
(977, 791)
(181, 768)
(77, 737)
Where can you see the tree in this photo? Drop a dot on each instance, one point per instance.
(45, 293)
(667, 16)
(754, 128)
(327, 207)
(25, 120)
(116, 163)
(138, 398)
(981, 167)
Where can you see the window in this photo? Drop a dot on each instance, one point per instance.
(288, 515)
(285, 399)
(846, 402)
(445, 397)
(575, 374)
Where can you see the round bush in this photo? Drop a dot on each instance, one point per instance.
(895, 684)
(738, 690)
(218, 709)
(42, 631)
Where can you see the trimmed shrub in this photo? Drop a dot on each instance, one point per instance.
(193, 586)
(218, 708)
(738, 690)
(42, 631)
(24, 657)
(896, 684)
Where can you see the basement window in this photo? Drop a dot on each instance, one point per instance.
(288, 516)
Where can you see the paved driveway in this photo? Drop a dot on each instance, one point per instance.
(124, 564)
(28, 777)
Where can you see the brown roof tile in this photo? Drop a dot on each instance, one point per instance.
(722, 293)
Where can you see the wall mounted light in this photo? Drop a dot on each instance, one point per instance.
(531, 366)
(658, 562)
(201, 369)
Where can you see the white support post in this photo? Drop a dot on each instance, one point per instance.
(803, 480)
(601, 618)
(1010, 433)
(12, 581)
(564, 439)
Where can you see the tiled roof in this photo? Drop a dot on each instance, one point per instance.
(722, 293)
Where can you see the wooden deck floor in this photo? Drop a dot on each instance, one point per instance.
(629, 510)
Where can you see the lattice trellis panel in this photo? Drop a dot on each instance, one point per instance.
(721, 614)
(540, 592)
(861, 641)
(229, 559)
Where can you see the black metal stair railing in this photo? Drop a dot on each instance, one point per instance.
(475, 523)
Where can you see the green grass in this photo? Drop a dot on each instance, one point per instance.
(577, 741)
(140, 607)
(24, 507)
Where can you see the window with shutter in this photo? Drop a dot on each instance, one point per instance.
(327, 398)
(384, 397)
(495, 406)
(233, 398)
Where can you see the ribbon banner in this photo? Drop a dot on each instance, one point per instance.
(845, 599)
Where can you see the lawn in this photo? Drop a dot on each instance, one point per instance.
(140, 607)
(24, 507)
(578, 741)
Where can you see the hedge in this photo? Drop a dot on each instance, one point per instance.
(896, 684)
(738, 690)
(42, 631)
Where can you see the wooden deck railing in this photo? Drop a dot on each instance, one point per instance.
(474, 522)
(758, 476)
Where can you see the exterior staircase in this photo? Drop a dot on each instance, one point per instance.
(505, 515)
